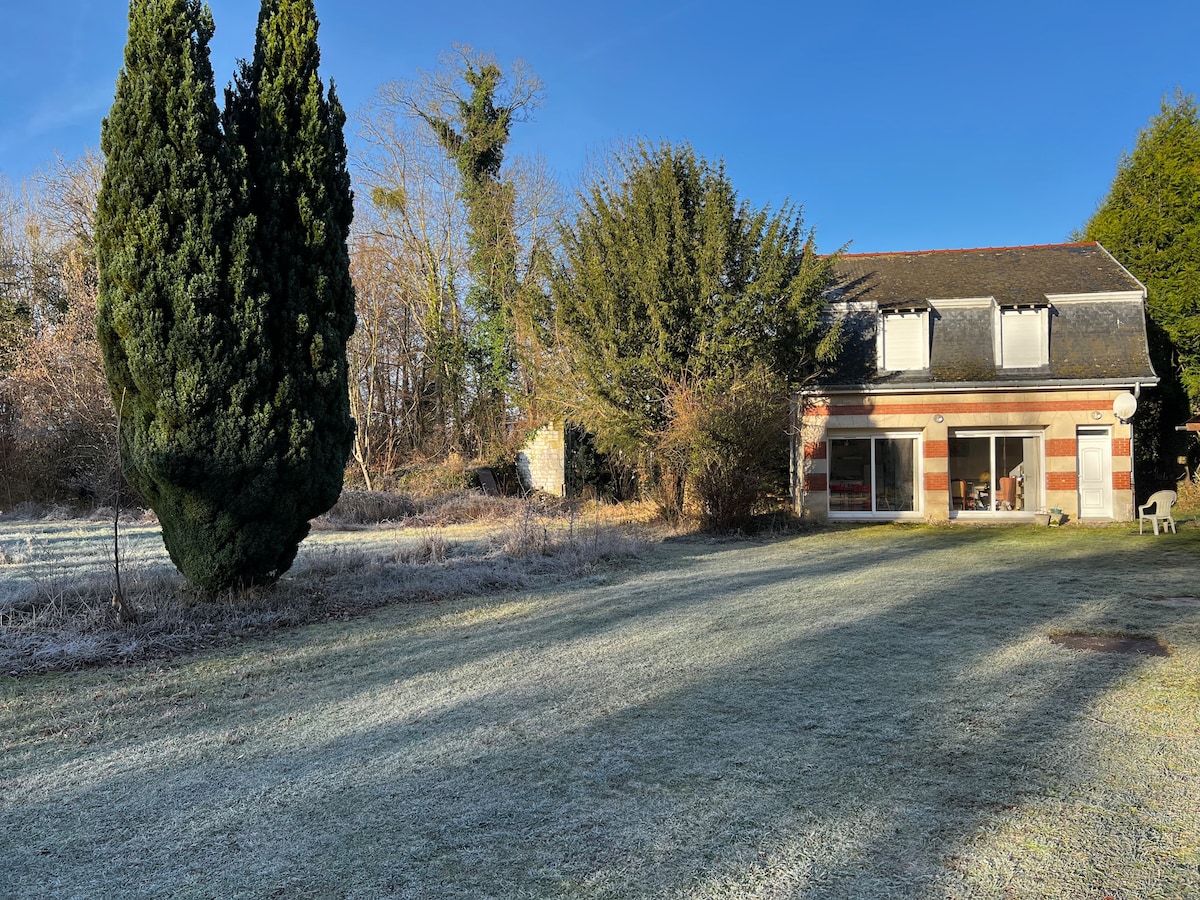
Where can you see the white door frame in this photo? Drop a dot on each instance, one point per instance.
(1094, 477)
(1034, 487)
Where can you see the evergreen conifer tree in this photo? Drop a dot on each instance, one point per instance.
(1150, 221)
(670, 277)
(289, 153)
(230, 376)
(686, 315)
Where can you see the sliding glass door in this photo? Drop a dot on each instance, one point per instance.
(874, 474)
(995, 472)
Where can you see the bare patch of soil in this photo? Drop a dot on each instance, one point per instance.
(1176, 601)
(1110, 643)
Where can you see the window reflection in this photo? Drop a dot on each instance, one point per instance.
(894, 481)
(876, 474)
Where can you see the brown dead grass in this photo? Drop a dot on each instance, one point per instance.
(1188, 492)
(361, 508)
(65, 620)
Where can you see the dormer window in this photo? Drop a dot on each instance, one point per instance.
(903, 340)
(1023, 336)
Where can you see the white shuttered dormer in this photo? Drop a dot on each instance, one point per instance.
(903, 340)
(1024, 336)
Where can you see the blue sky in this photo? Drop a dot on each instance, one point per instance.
(898, 126)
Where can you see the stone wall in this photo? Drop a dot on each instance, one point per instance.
(541, 463)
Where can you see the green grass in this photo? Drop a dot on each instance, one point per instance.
(858, 713)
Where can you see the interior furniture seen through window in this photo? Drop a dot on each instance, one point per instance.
(1000, 472)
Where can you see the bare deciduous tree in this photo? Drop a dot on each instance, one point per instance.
(60, 420)
(419, 385)
(408, 352)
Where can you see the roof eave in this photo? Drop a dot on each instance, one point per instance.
(960, 387)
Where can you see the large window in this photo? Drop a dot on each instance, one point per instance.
(874, 474)
(997, 472)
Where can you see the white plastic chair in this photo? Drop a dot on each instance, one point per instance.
(1159, 506)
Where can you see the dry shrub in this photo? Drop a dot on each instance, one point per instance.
(729, 436)
(332, 562)
(67, 622)
(449, 475)
(33, 511)
(524, 536)
(132, 516)
(364, 508)
(431, 548)
(18, 553)
(1188, 491)
(466, 507)
(368, 508)
(57, 423)
(575, 544)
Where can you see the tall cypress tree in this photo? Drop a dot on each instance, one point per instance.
(231, 377)
(164, 215)
(292, 181)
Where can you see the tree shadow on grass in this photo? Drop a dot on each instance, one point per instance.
(811, 717)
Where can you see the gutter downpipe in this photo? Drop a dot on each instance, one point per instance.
(1137, 392)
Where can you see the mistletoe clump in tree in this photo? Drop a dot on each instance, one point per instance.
(225, 296)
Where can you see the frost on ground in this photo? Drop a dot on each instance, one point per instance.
(859, 713)
(56, 596)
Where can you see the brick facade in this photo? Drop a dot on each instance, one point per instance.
(816, 482)
(1062, 481)
(937, 481)
(1061, 447)
(1052, 421)
(1019, 360)
(937, 449)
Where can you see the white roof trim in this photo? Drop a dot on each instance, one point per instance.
(962, 302)
(846, 306)
(979, 387)
(1098, 297)
(1122, 268)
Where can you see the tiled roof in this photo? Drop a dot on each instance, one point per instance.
(1090, 341)
(1010, 274)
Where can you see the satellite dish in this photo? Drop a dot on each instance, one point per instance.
(1124, 407)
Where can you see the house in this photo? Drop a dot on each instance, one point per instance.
(975, 385)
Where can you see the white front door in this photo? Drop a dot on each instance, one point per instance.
(1095, 473)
